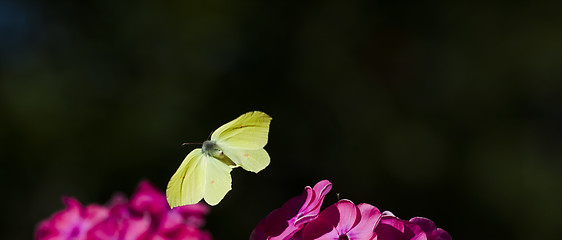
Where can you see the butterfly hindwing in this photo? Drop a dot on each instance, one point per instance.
(218, 181)
(253, 160)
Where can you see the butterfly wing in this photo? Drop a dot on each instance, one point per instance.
(218, 181)
(242, 140)
(253, 160)
(187, 185)
(199, 176)
(249, 131)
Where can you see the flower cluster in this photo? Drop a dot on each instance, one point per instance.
(146, 216)
(300, 219)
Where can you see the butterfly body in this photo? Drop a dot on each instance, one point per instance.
(205, 172)
(210, 148)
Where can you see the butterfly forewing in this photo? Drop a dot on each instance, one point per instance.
(187, 185)
(248, 131)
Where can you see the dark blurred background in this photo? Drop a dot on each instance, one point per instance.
(447, 110)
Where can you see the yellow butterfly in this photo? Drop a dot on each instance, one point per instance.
(205, 172)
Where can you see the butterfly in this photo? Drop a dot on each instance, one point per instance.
(205, 171)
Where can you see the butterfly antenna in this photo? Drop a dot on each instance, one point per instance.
(209, 137)
(184, 144)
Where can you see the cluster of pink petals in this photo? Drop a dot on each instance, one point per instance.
(300, 219)
(418, 228)
(146, 216)
(283, 223)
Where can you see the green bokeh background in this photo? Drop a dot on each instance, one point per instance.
(448, 110)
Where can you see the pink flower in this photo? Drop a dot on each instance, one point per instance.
(344, 221)
(148, 199)
(121, 223)
(74, 222)
(146, 216)
(298, 219)
(285, 222)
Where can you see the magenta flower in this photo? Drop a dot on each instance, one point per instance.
(146, 216)
(298, 219)
(283, 223)
(344, 221)
(74, 222)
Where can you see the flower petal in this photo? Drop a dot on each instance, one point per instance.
(283, 223)
(311, 206)
(148, 199)
(137, 227)
(320, 229)
(431, 230)
(427, 225)
(343, 215)
(370, 217)
(440, 234)
(388, 214)
(193, 214)
(390, 228)
(413, 231)
(284, 229)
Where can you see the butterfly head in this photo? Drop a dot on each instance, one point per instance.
(210, 148)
